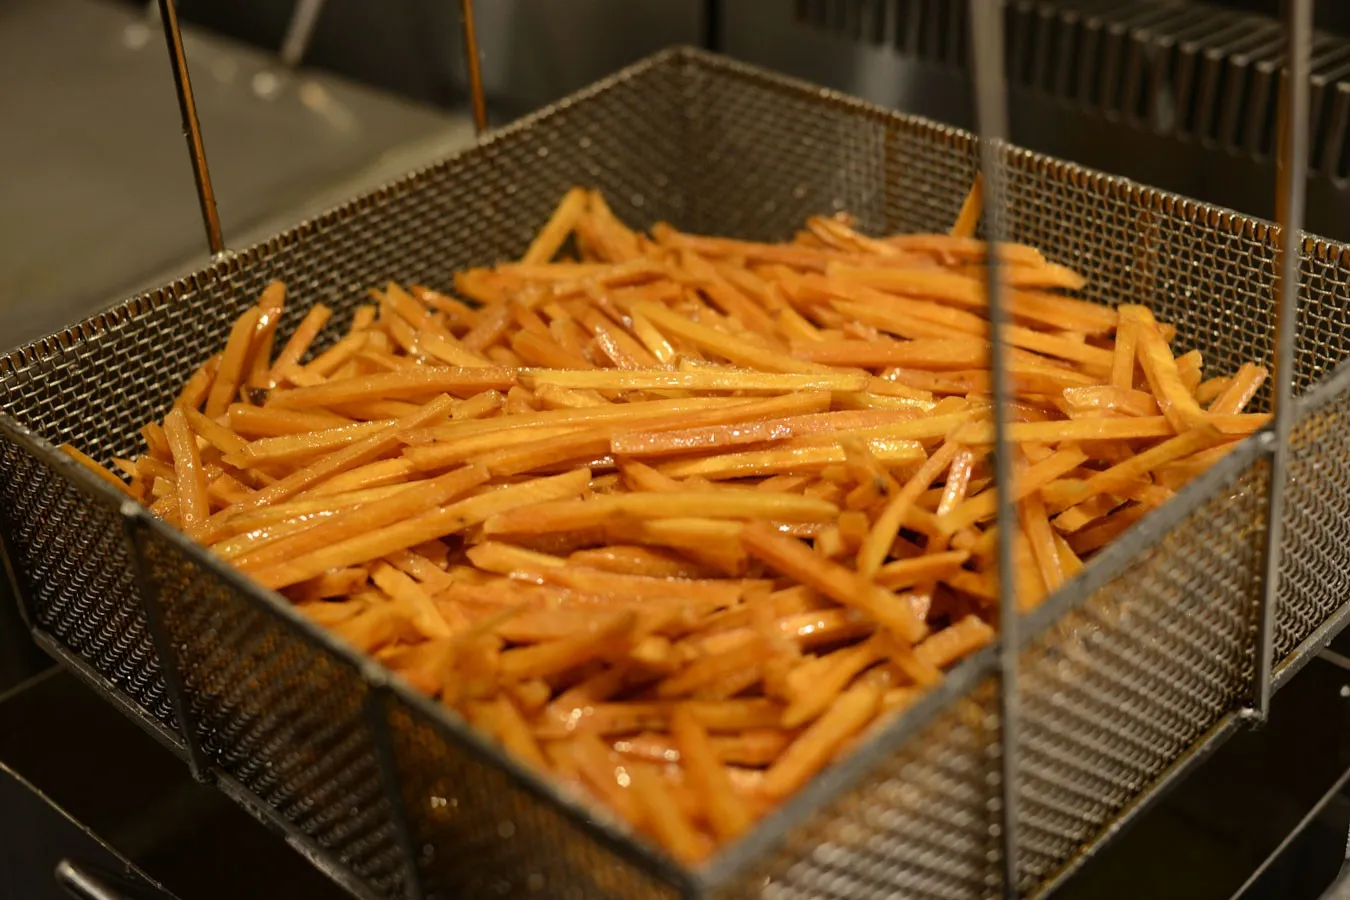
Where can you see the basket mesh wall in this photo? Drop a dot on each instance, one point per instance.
(1119, 687)
(478, 832)
(1316, 580)
(68, 555)
(922, 823)
(707, 145)
(1317, 506)
(277, 711)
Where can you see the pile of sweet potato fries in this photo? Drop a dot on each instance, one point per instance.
(676, 518)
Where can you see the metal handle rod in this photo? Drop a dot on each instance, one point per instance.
(192, 130)
(299, 31)
(1290, 196)
(991, 118)
(475, 70)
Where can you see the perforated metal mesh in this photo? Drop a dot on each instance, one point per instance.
(922, 823)
(68, 556)
(1316, 580)
(710, 146)
(478, 832)
(275, 711)
(1118, 688)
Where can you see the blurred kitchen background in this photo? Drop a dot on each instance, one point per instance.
(97, 195)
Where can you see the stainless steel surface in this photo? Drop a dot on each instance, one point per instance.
(991, 114)
(1290, 191)
(192, 129)
(98, 200)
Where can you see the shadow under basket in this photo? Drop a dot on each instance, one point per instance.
(1126, 674)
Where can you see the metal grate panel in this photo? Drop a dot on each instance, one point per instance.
(1314, 576)
(66, 553)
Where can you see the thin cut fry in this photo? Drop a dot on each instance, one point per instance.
(971, 208)
(193, 507)
(793, 558)
(230, 375)
(99, 471)
(855, 708)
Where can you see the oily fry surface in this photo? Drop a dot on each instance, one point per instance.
(676, 518)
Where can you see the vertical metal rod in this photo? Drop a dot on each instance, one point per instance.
(299, 31)
(136, 528)
(1290, 194)
(192, 130)
(991, 117)
(480, 123)
(376, 709)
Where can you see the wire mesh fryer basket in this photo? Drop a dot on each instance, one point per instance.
(1124, 671)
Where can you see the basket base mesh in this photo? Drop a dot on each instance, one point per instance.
(478, 833)
(923, 823)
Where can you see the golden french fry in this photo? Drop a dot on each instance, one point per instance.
(551, 237)
(847, 588)
(190, 480)
(983, 506)
(99, 471)
(854, 709)
(720, 380)
(564, 515)
(1240, 390)
(230, 374)
(380, 542)
(971, 209)
(726, 813)
(196, 388)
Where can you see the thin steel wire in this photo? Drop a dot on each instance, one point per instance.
(192, 130)
(475, 70)
(1291, 193)
(986, 23)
